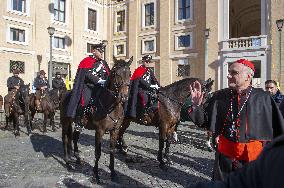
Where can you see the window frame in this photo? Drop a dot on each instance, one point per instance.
(59, 11)
(143, 45)
(177, 12)
(184, 66)
(96, 19)
(143, 21)
(177, 47)
(22, 71)
(26, 35)
(116, 21)
(115, 49)
(54, 41)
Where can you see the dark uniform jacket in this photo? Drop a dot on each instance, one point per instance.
(260, 118)
(140, 82)
(89, 72)
(14, 81)
(40, 82)
(58, 83)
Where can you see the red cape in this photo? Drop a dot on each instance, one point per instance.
(139, 72)
(87, 63)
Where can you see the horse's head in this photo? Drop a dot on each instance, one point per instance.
(119, 79)
(207, 88)
(23, 92)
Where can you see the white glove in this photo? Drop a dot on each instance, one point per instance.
(101, 81)
(154, 86)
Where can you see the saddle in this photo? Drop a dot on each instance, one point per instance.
(145, 114)
(101, 104)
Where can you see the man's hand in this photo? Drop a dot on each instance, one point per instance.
(17, 87)
(101, 81)
(196, 94)
(156, 87)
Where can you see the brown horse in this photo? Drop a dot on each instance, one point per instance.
(19, 106)
(117, 85)
(47, 108)
(170, 99)
(56, 95)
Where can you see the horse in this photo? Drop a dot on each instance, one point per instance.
(117, 84)
(19, 106)
(171, 98)
(47, 108)
(56, 95)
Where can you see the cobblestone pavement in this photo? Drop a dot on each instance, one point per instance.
(36, 160)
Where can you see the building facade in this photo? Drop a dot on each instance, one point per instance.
(172, 31)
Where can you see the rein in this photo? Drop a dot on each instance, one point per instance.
(171, 99)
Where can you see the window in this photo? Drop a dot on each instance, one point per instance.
(59, 42)
(19, 5)
(59, 10)
(184, 41)
(184, 9)
(183, 68)
(90, 47)
(120, 16)
(120, 49)
(149, 14)
(20, 65)
(92, 19)
(149, 46)
(17, 35)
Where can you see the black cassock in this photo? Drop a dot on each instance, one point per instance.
(260, 118)
(265, 172)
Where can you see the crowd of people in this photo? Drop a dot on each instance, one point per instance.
(243, 120)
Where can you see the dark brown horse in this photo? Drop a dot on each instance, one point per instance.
(19, 106)
(117, 85)
(170, 99)
(56, 95)
(47, 108)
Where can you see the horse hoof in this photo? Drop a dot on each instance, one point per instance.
(17, 133)
(78, 161)
(53, 130)
(123, 151)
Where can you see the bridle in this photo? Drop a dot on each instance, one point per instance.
(118, 83)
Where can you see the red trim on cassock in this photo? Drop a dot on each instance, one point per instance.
(87, 63)
(139, 72)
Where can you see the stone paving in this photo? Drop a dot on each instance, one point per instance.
(36, 160)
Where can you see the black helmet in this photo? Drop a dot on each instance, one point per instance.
(147, 58)
(100, 47)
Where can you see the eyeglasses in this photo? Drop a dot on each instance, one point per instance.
(233, 72)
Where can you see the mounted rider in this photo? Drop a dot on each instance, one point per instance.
(91, 75)
(13, 83)
(58, 83)
(143, 81)
(41, 85)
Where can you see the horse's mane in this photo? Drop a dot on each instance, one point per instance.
(179, 84)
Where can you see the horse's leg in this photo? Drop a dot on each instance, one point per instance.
(167, 151)
(27, 123)
(121, 142)
(45, 121)
(76, 136)
(162, 138)
(32, 115)
(7, 122)
(52, 124)
(113, 141)
(66, 138)
(16, 124)
(98, 145)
